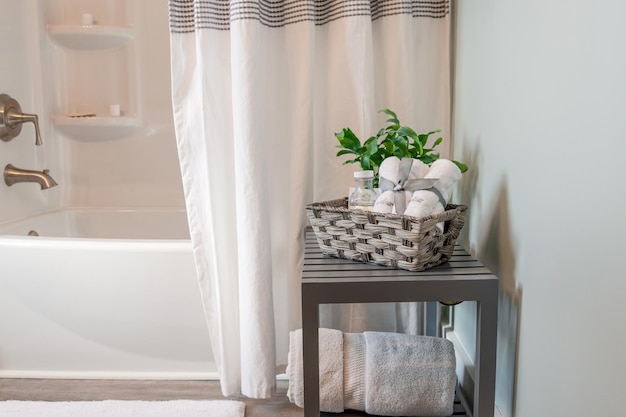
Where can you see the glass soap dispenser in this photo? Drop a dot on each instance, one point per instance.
(363, 197)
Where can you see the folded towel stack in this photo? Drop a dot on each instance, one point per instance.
(387, 374)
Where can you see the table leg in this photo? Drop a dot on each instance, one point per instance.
(485, 366)
(430, 319)
(310, 353)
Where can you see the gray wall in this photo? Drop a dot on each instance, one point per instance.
(539, 115)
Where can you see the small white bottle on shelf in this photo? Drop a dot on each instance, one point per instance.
(115, 110)
(363, 197)
(87, 19)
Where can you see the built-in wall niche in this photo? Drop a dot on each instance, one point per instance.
(94, 44)
(116, 13)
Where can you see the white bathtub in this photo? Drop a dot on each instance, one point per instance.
(101, 294)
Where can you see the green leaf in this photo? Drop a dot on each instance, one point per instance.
(348, 139)
(401, 141)
(417, 147)
(407, 131)
(429, 158)
(371, 146)
(394, 118)
(370, 139)
(365, 163)
(424, 137)
(388, 146)
(377, 159)
(437, 142)
(461, 166)
(402, 149)
(344, 152)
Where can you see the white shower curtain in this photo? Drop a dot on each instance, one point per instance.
(258, 89)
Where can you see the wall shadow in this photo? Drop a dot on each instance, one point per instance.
(498, 252)
(496, 248)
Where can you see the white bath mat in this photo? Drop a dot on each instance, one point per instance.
(114, 408)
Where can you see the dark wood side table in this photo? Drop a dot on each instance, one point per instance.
(327, 280)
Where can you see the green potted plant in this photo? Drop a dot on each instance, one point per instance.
(392, 140)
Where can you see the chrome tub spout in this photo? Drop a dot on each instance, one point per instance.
(14, 175)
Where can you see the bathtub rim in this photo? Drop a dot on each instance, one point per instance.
(67, 240)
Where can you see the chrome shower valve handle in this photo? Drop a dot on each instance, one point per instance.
(12, 118)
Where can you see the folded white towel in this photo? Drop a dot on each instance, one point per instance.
(426, 202)
(354, 371)
(331, 370)
(409, 375)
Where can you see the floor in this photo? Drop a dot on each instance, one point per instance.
(89, 390)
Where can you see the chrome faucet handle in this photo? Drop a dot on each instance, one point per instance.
(12, 118)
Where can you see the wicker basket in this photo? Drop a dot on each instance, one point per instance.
(391, 240)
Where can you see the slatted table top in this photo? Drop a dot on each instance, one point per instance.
(323, 268)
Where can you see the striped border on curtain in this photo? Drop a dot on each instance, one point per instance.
(192, 15)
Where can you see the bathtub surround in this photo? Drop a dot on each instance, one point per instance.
(257, 98)
(114, 408)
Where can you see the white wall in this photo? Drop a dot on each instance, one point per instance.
(540, 95)
(21, 78)
(138, 170)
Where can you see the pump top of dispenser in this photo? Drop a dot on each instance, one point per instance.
(364, 174)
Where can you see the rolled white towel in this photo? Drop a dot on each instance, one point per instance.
(384, 203)
(448, 174)
(418, 169)
(390, 170)
(422, 204)
(425, 202)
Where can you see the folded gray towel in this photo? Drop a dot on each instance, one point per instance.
(408, 375)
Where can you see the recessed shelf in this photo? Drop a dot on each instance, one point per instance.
(91, 36)
(97, 127)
